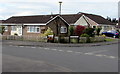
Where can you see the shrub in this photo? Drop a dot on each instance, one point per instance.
(84, 35)
(98, 31)
(79, 30)
(2, 29)
(74, 40)
(90, 32)
(71, 30)
(88, 40)
(48, 32)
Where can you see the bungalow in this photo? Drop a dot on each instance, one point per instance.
(36, 25)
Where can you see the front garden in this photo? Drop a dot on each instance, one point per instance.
(78, 34)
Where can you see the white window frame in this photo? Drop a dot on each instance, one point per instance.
(62, 29)
(6, 28)
(33, 29)
(13, 28)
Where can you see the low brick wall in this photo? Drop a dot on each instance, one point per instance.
(62, 39)
(92, 39)
(25, 38)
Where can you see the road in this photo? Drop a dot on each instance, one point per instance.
(60, 59)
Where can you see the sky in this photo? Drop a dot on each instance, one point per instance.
(9, 8)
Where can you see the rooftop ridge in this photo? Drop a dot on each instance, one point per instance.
(44, 15)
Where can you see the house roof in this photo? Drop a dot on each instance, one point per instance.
(98, 19)
(29, 19)
(1, 21)
(69, 18)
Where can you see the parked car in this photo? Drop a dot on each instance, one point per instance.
(111, 33)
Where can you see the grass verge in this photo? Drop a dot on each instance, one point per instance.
(109, 39)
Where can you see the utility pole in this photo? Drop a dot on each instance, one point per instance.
(60, 2)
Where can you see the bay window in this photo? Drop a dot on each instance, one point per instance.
(33, 29)
(13, 28)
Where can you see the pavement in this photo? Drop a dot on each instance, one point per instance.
(44, 44)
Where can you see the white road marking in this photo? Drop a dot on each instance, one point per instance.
(88, 53)
(69, 51)
(60, 50)
(112, 57)
(99, 55)
(104, 55)
(46, 48)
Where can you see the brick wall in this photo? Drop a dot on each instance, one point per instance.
(42, 28)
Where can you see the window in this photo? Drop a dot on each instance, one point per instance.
(63, 29)
(6, 28)
(13, 28)
(33, 29)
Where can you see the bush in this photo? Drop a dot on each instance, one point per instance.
(98, 31)
(48, 32)
(88, 40)
(71, 30)
(79, 30)
(90, 32)
(2, 29)
(84, 35)
(74, 40)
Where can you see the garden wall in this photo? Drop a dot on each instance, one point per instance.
(25, 38)
(71, 39)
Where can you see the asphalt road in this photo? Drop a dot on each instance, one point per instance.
(60, 59)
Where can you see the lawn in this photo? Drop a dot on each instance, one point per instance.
(109, 39)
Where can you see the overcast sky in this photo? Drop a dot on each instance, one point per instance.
(104, 8)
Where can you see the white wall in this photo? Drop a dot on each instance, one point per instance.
(81, 21)
(107, 27)
(17, 31)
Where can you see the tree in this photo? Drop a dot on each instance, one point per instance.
(109, 19)
(2, 29)
(71, 30)
(114, 20)
(79, 30)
